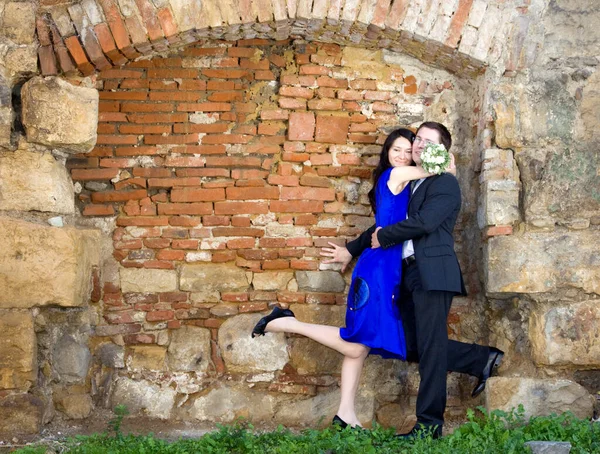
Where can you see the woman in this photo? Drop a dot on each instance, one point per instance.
(373, 322)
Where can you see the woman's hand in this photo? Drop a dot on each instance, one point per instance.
(338, 254)
(375, 239)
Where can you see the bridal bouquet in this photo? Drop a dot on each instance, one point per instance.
(435, 158)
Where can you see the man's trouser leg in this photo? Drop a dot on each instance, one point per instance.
(429, 335)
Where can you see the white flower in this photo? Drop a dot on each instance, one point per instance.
(435, 158)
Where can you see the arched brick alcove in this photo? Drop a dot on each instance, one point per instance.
(225, 166)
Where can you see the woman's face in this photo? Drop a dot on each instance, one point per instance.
(400, 153)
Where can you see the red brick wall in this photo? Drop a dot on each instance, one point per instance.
(194, 147)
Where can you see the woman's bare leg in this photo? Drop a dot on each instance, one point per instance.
(354, 358)
(351, 370)
(323, 334)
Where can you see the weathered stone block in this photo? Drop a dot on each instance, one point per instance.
(31, 181)
(71, 359)
(210, 296)
(320, 314)
(538, 397)
(186, 14)
(499, 203)
(549, 447)
(311, 358)
(19, 22)
(151, 357)
(21, 415)
(271, 280)
(590, 109)
(21, 61)
(563, 41)
(498, 206)
(42, 265)
(75, 405)
(6, 119)
(285, 231)
(209, 277)
(388, 378)
(320, 281)
(245, 354)
(528, 114)
(189, 349)
(543, 262)
(224, 309)
(360, 63)
(321, 408)
(18, 351)
(139, 280)
(396, 415)
(567, 335)
(559, 183)
(143, 397)
(111, 355)
(226, 403)
(60, 115)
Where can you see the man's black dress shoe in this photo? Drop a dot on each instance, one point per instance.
(259, 328)
(494, 360)
(421, 432)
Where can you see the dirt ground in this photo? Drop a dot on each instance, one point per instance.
(60, 428)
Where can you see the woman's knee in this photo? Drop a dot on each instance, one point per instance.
(359, 351)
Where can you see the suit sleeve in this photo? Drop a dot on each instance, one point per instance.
(357, 246)
(442, 199)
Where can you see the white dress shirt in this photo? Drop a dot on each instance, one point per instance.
(408, 248)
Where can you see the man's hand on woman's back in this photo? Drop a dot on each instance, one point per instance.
(338, 254)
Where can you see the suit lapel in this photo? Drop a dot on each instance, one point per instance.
(418, 191)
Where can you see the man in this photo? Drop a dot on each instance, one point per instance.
(431, 276)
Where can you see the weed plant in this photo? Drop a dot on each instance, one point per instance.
(497, 432)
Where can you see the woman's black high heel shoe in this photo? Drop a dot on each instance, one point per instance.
(259, 328)
(337, 421)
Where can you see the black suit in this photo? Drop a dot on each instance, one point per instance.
(428, 286)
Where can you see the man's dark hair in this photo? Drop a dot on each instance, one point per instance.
(445, 136)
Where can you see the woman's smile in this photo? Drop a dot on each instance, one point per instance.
(400, 153)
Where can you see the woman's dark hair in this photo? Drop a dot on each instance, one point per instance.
(384, 158)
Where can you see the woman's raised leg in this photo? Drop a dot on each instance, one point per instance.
(323, 334)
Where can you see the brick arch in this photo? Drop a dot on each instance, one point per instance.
(462, 36)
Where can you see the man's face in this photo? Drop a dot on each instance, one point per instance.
(424, 136)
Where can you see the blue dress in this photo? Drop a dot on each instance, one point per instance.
(372, 315)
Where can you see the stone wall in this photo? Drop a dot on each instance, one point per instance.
(542, 279)
(182, 171)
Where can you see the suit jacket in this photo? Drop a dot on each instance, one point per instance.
(432, 213)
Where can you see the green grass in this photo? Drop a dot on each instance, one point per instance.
(498, 432)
